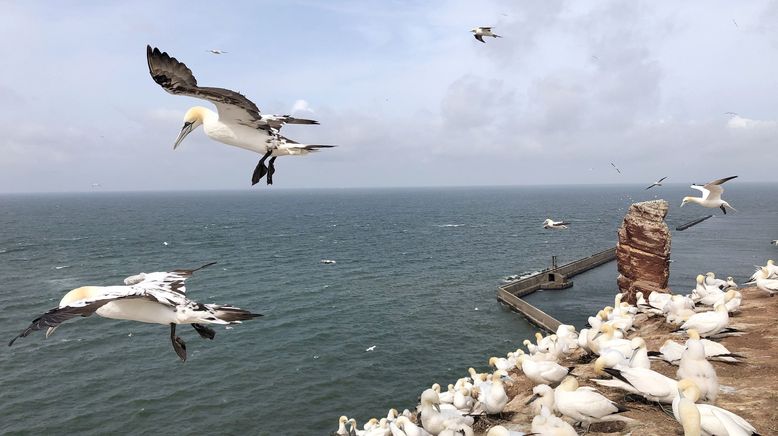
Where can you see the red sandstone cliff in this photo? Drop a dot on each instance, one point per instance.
(643, 250)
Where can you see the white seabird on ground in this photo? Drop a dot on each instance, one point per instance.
(481, 31)
(551, 224)
(711, 195)
(764, 283)
(585, 404)
(238, 121)
(155, 298)
(657, 183)
(710, 420)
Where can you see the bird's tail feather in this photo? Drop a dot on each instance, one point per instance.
(231, 314)
(293, 120)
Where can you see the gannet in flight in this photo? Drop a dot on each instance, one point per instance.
(551, 224)
(216, 51)
(711, 195)
(480, 32)
(156, 298)
(657, 183)
(615, 167)
(238, 121)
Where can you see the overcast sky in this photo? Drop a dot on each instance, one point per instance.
(410, 97)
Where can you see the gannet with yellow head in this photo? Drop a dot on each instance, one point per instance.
(711, 195)
(154, 298)
(237, 122)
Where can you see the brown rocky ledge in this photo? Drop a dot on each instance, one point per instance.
(643, 250)
(750, 389)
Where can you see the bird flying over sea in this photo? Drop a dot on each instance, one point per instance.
(551, 224)
(657, 183)
(711, 195)
(216, 51)
(155, 298)
(237, 121)
(480, 32)
(615, 167)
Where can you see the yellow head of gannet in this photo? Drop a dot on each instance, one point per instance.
(436, 387)
(693, 334)
(493, 361)
(538, 337)
(568, 384)
(688, 413)
(192, 119)
(78, 294)
(700, 279)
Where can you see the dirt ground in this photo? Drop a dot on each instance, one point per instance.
(750, 389)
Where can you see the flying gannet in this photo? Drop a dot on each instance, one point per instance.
(217, 51)
(238, 121)
(155, 298)
(657, 183)
(551, 224)
(481, 31)
(711, 195)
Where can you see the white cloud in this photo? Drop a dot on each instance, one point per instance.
(301, 106)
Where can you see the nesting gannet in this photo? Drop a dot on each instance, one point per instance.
(495, 398)
(647, 383)
(435, 420)
(711, 195)
(342, 430)
(709, 323)
(481, 31)
(216, 51)
(542, 396)
(711, 280)
(551, 224)
(671, 352)
(156, 298)
(712, 420)
(585, 404)
(499, 430)
(657, 183)
(546, 424)
(764, 283)
(238, 121)
(542, 372)
(409, 428)
(694, 366)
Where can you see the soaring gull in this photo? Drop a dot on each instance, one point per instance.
(156, 298)
(238, 121)
(711, 195)
(480, 32)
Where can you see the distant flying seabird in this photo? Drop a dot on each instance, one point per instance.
(216, 51)
(711, 195)
(657, 183)
(238, 121)
(480, 32)
(156, 298)
(614, 166)
(551, 224)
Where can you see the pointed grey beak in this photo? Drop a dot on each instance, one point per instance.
(597, 335)
(187, 129)
(531, 399)
(50, 331)
(436, 407)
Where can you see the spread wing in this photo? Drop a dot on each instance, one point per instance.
(479, 37)
(660, 180)
(707, 193)
(84, 308)
(160, 283)
(176, 78)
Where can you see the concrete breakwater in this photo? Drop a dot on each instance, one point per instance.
(556, 277)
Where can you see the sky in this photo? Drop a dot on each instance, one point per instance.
(687, 90)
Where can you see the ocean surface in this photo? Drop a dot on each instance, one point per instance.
(415, 276)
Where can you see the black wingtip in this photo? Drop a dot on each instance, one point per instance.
(13, 340)
(621, 408)
(654, 353)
